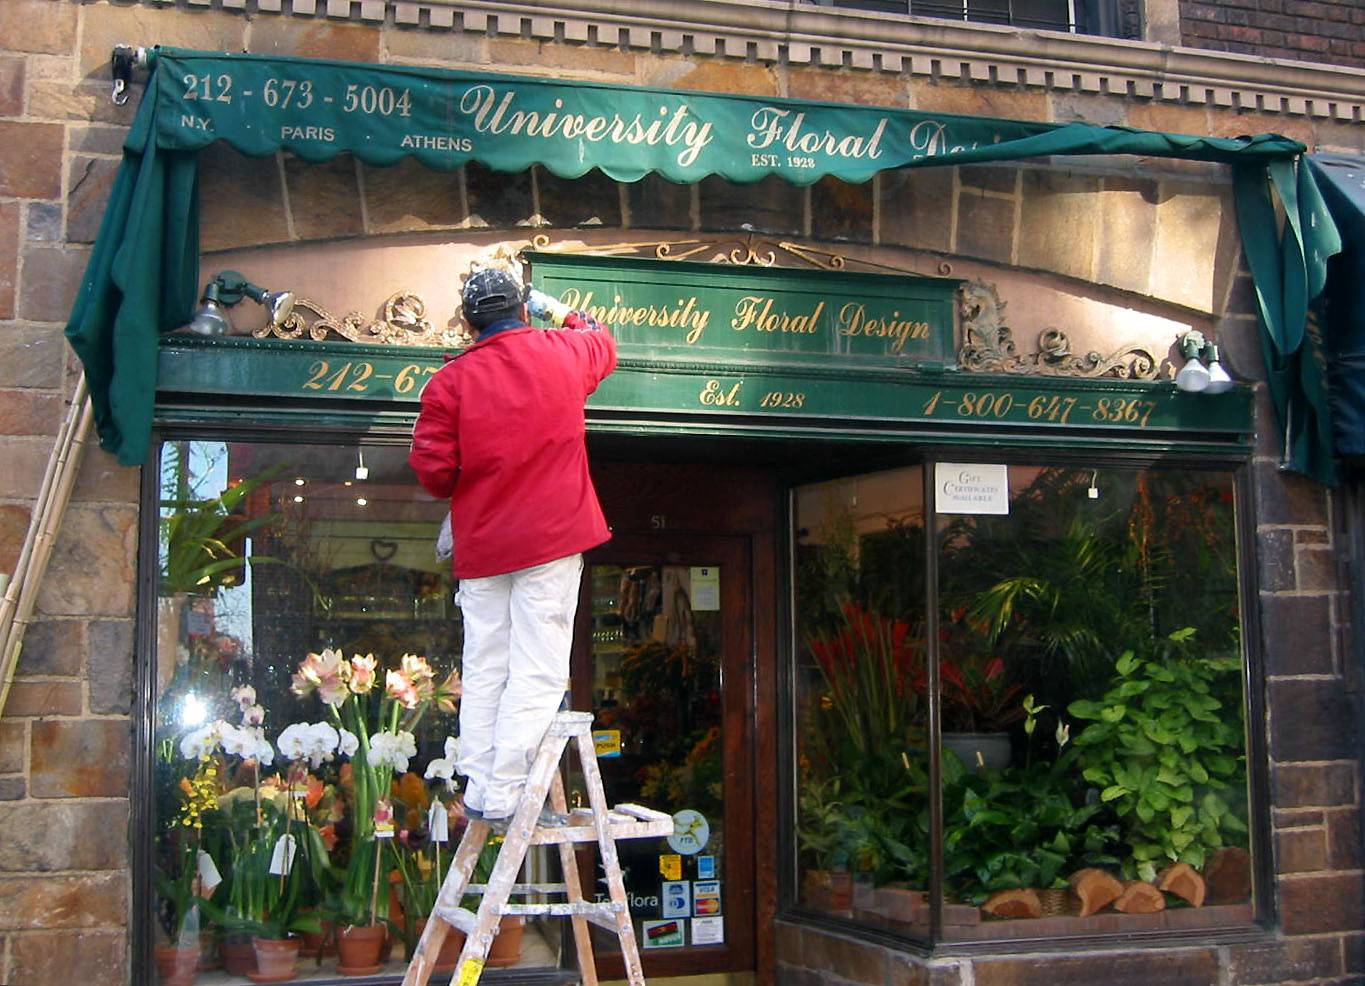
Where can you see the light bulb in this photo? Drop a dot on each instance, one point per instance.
(1193, 377)
(298, 499)
(361, 501)
(1219, 381)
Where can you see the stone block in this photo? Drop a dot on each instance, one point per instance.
(106, 25)
(11, 87)
(1317, 904)
(307, 38)
(847, 86)
(1101, 111)
(324, 199)
(14, 523)
(711, 75)
(1172, 967)
(80, 758)
(241, 200)
(1127, 232)
(30, 160)
(787, 944)
(43, 698)
(410, 196)
(31, 412)
(770, 206)
(53, 647)
(1297, 631)
(445, 47)
(103, 480)
(1286, 498)
(13, 788)
(52, 276)
(69, 957)
(496, 199)
(43, 223)
(89, 185)
(916, 208)
(84, 102)
(561, 60)
(1275, 557)
(93, 564)
(1003, 179)
(1353, 952)
(1311, 720)
(89, 900)
(41, 836)
(1009, 104)
(25, 461)
(1283, 961)
(1057, 223)
(841, 211)
(9, 257)
(1343, 839)
(985, 226)
(854, 961)
(111, 667)
(13, 746)
(657, 203)
(1314, 785)
(1300, 850)
(592, 199)
(1317, 568)
(39, 26)
(96, 139)
(31, 356)
(1169, 117)
(1189, 234)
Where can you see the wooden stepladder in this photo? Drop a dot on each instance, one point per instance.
(599, 824)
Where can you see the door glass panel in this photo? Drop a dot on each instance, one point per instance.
(656, 651)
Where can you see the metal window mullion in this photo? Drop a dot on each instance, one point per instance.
(935, 711)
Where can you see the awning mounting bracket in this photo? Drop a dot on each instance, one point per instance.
(123, 60)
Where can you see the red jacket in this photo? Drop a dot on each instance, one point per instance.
(501, 434)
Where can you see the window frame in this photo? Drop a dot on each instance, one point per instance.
(1253, 683)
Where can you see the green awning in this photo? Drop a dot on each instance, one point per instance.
(142, 280)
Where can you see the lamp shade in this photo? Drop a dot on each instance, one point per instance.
(1193, 377)
(210, 319)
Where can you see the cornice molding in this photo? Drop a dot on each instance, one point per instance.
(802, 33)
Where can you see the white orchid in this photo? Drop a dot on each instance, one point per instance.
(348, 743)
(253, 715)
(202, 742)
(393, 749)
(314, 742)
(244, 696)
(444, 767)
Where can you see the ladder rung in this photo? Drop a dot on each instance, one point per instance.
(571, 724)
(522, 888)
(626, 829)
(581, 908)
(456, 917)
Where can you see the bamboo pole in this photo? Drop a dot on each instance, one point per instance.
(21, 592)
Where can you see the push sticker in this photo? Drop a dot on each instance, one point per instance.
(607, 743)
(661, 934)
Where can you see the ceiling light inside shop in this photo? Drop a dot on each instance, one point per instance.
(298, 499)
(299, 481)
(361, 501)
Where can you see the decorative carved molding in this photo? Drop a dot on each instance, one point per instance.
(803, 33)
(988, 345)
(402, 323)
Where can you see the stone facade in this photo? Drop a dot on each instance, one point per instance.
(1138, 229)
(1327, 31)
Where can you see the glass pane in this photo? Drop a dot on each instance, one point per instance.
(656, 649)
(862, 788)
(301, 757)
(1094, 774)
(1048, 15)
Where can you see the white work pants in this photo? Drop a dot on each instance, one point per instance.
(518, 631)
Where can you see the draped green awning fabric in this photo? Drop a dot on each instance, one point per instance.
(142, 280)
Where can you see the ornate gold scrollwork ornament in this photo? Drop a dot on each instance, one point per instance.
(403, 322)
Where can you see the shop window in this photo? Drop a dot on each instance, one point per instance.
(305, 678)
(1083, 628)
(1077, 16)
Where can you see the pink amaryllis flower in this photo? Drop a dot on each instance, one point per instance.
(326, 673)
(402, 689)
(364, 673)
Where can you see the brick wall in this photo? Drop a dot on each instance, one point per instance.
(1159, 230)
(1323, 31)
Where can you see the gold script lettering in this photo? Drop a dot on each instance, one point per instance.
(757, 312)
(686, 314)
(853, 321)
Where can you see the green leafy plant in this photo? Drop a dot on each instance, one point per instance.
(1018, 827)
(198, 538)
(978, 696)
(1166, 752)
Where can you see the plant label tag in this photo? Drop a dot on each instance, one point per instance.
(209, 877)
(383, 819)
(282, 859)
(438, 822)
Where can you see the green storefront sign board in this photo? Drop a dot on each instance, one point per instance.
(685, 396)
(746, 314)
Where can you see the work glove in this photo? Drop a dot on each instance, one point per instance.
(542, 306)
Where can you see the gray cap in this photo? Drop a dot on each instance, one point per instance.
(490, 290)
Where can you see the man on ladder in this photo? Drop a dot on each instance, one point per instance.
(501, 434)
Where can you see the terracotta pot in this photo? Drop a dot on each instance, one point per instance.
(238, 955)
(449, 955)
(358, 948)
(208, 951)
(176, 965)
(277, 960)
(506, 948)
(316, 943)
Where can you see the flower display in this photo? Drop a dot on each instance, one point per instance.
(316, 742)
(393, 750)
(443, 768)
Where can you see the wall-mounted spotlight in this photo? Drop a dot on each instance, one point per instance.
(362, 471)
(226, 290)
(1195, 377)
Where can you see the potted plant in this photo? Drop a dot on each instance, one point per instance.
(979, 706)
(1164, 749)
